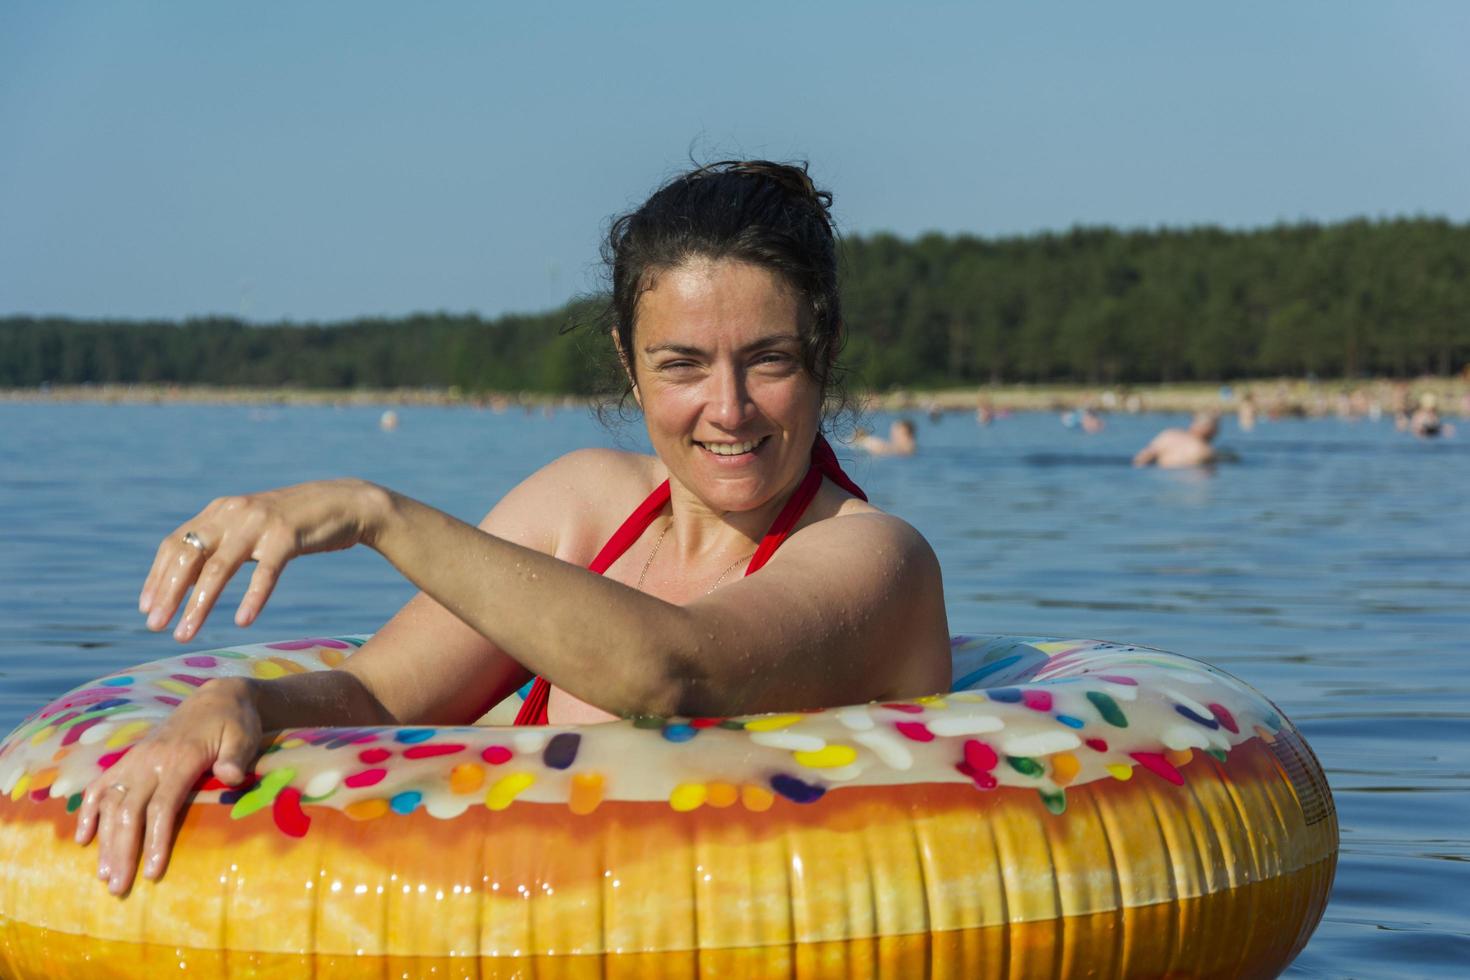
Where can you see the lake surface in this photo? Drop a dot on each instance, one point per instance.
(1329, 567)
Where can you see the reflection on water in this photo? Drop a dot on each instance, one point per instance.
(1075, 459)
(1328, 568)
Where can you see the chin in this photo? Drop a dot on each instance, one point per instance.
(735, 496)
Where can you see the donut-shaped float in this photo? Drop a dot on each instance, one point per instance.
(1071, 807)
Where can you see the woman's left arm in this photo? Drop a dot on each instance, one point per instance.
(796, 635)
(850, 609)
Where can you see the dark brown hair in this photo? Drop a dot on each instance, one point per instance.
(768, 214)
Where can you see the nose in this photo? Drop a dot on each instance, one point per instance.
(730, 405)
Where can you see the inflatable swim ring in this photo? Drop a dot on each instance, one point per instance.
(1072, 807)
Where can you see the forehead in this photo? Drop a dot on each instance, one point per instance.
(716, 299)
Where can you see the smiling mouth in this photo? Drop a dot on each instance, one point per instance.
(732, 448)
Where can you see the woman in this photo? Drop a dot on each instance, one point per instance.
(612, 576)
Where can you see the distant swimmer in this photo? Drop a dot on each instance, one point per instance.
(900, 441)
(1176, 448)
(1245, 412)
(1085, 419)
(388, 421)
(1425, 422)
(1400, 402)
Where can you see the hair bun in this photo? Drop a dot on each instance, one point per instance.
(793, 178)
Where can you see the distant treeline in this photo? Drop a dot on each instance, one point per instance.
(1090, 305)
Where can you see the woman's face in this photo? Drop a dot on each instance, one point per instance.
(718, 371)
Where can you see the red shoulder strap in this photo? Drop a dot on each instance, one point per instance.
(824, 464)
(631, 529)
(826, 460)
(533, 709)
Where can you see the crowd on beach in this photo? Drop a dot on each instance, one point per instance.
(1416, 413)
(1272, 399)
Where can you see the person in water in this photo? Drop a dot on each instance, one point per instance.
(1177, 448)
(623, 583)
(1245, 412)
(1426, 422)
(900, 441)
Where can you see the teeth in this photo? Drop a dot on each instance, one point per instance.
(731, 448)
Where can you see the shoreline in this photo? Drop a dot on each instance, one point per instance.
(1272, 397)
(1281, 397)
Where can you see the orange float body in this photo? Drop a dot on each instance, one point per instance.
(1095, 810)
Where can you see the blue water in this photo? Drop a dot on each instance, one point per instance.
(1329, 567)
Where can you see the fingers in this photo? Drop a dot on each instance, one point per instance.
(87, 812)
(121, 816)
(238, 751)
(205, 553)
(218, 569)
(132, 813)
(262, 583)
(132, 809)
(161, 815)
(271, 527)
(155, 574)
(175, 568)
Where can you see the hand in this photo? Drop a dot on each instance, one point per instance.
(137, 800)
(268, 528)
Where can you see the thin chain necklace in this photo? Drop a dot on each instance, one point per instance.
(656, 545)
(654, 553)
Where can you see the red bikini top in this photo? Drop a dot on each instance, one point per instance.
(824, 464)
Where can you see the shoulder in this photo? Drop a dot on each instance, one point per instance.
(860, 596)
(585, 474)
(581, 468)
(836, 515)
(883, 544)
(877, 552)
(575, 501)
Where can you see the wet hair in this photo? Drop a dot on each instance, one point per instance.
(768, 214)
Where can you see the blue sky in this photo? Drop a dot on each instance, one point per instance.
(322, 161)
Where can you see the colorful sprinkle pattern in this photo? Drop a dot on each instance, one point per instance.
(1037, 714)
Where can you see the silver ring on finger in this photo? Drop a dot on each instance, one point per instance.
(120, 787)
(194, 541)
